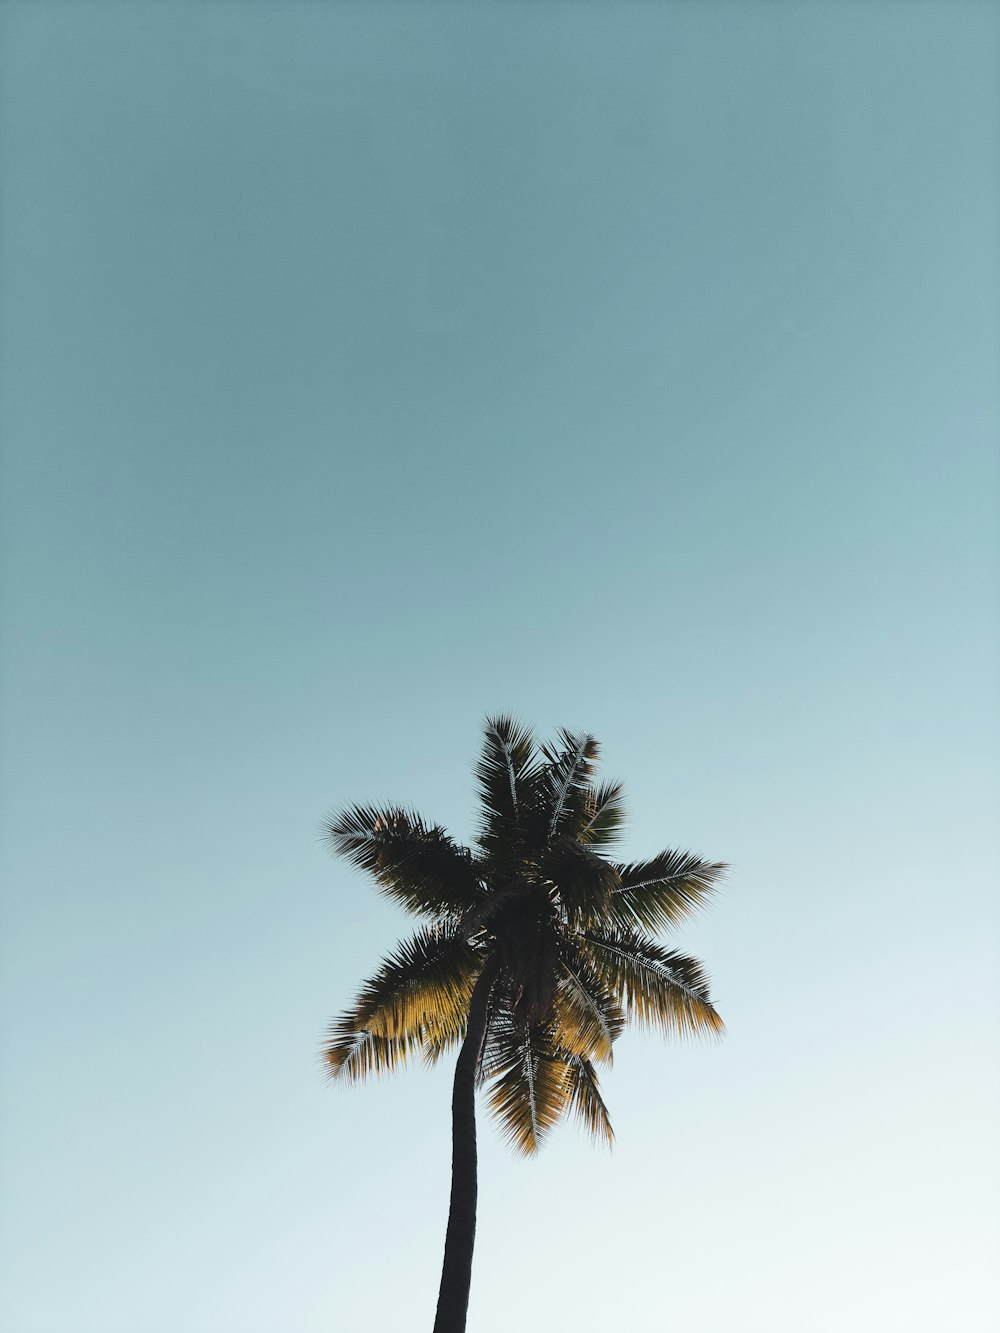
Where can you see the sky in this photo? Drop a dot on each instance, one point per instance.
(369, 368)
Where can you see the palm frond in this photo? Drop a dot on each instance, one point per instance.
(502, 775)
(658, 894)
(531, 1090)
(416, 864)
(441, 1035)
(417, 1000)
(581, 881)
(504, 1047)
(655, 986)
(604, 815)
(429, 978)
(503, 1032)
(585, 1098)
(568, 771)
(586, 1016)
(351, 1053)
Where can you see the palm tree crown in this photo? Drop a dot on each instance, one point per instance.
(559, 936)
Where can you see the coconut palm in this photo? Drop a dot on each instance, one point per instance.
(535, 952)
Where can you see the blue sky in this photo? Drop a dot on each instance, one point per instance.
(369, 368)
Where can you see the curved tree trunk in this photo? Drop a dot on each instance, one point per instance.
(456, 1273)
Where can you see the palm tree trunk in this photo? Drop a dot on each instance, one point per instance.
(456, 1273)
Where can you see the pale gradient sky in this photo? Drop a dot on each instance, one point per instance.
(367, 368)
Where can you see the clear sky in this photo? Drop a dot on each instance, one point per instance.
(367, 368)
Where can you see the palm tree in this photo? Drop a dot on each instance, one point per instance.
(535, 953)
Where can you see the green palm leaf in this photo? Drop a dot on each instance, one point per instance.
(604, 815)
(531, 1090)
(655, 986)
(351, 1053)
(504, 778)
(658, 894)
(441, 1034)
(581, 881)
(568, 772)
(585, 1098)
(416, 864)
(587, 1018)
(418, 999)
